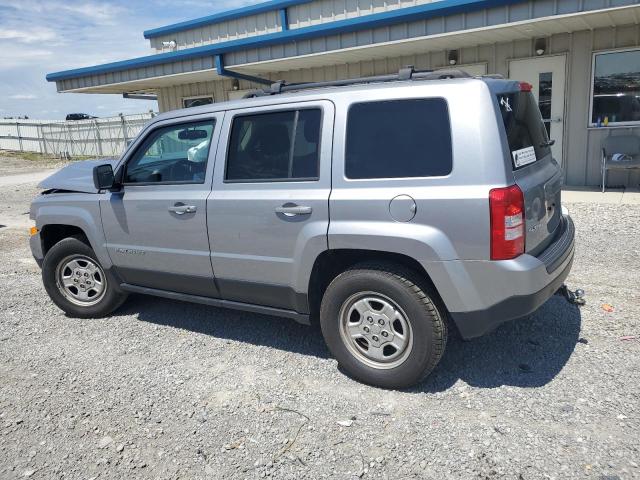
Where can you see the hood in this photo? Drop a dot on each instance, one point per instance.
(76, 177)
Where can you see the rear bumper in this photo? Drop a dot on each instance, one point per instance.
(515, 288)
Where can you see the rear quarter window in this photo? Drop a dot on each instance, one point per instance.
(398, 139)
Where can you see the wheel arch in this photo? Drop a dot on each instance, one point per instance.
(52, 233)
(330, 263)
(59, 220)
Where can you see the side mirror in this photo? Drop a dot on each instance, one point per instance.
(103, 177)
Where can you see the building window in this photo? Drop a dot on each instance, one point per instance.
(197, 101)
(616, 88)
(398, 139)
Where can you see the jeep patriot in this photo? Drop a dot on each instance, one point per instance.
(388, 209)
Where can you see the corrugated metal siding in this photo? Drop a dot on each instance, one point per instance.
(325, 11)
(582, 145)
(191, 65)
(170, 98)
(434, 26)
(250, 26)
(586, 144)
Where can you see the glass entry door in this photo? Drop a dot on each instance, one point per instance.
(547, 75)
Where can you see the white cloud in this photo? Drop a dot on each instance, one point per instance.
(97, 11)
(23, 96)
(38, 37)
(32, 35)
(18, 56)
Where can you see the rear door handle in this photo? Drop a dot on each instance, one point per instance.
(181, 209)
(291, 210)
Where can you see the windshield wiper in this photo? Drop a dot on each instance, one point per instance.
(550, 143)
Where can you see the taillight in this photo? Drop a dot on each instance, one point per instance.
(525, 87)
(507, 222)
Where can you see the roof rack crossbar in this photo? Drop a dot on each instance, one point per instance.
(405, 73)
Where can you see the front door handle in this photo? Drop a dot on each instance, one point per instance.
(291, 210)
(181, 209)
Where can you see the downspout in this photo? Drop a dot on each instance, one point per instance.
(284, 19)
(223, 72)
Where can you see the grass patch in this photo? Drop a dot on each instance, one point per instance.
(39, 158)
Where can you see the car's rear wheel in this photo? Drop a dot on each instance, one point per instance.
(77, 283)
(383, 325)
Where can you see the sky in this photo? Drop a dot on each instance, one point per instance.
(43, 36)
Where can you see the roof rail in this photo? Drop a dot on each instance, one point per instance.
(405, 73)
(495, 76)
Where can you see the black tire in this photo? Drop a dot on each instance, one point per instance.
(413, 296)
(112, 297)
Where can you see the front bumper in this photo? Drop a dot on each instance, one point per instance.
(516, 288)
(36, 248)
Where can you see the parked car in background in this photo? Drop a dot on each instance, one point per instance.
(379, 208)
(79, 116)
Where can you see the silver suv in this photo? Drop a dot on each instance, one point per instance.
(380, 207)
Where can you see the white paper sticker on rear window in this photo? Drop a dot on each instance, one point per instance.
(524, 157)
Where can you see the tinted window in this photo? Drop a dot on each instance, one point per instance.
(177, 153)
(399, 138)
(523, 123)
(275, 146)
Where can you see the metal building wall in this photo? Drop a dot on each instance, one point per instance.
(251, 26)
(582, 144)
(184, 66)
(324, 11)
(422, 28)
(170, 98)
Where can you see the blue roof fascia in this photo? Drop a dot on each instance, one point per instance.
(223, 17)
(420, 12)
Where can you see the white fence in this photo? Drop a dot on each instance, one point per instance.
(98, 137)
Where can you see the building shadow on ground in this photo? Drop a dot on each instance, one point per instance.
(526, 353)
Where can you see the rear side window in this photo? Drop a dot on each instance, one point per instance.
(398, 139)
(276, 146)
(526, 133)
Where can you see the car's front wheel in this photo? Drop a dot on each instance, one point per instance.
(77, 283)
(382, 324)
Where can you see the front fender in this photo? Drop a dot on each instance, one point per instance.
(77, 210)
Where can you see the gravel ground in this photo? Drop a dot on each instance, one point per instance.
(172, 390)
(13, 163)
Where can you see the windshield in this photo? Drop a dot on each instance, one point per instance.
(526, 133)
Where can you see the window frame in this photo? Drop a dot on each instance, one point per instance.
(590, 124)
(402, 179)
(143, 144)
(281, 109)
(196, 97)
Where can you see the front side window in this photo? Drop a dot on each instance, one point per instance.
(398, 139)
(277, 146)
(177, 153)
(616, 88)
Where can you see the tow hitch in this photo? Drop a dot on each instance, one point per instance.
(574, 297)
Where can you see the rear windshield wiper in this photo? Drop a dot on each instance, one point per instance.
(550, 143)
